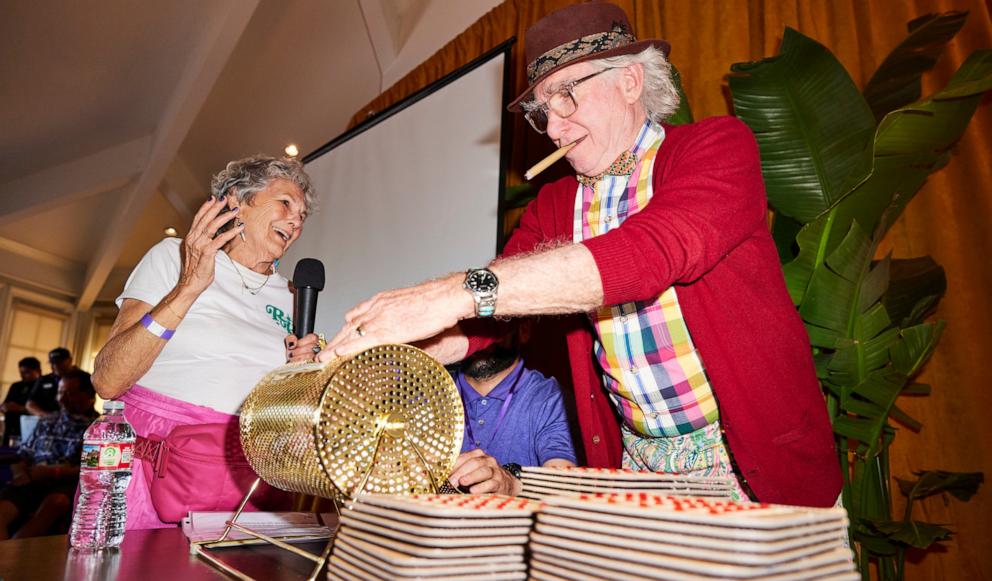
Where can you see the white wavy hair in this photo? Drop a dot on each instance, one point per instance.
(660, 98)
(246, 177)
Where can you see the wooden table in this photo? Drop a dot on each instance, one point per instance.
(146, 556)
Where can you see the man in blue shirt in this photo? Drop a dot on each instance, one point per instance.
(45, 479)
(513, 417)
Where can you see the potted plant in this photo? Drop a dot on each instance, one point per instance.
(840, 165)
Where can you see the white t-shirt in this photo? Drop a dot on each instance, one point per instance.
(228, 340)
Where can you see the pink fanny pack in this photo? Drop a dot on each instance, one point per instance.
(203, 468)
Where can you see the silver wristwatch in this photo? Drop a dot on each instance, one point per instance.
(482, 284)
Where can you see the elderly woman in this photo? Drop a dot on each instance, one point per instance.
(686, 353)
(201, 320)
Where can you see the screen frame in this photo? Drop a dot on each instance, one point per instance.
(376, 117)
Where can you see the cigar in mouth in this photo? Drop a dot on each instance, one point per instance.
(546, 162)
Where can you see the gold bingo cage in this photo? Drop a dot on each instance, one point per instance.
(387, 420)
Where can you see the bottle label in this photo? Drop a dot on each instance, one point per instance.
(103, 456)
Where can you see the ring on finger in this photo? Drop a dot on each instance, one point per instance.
(315, 348)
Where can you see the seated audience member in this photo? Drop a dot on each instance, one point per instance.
(514, 417)
(17, 396)
(45, 480)
(44, 396)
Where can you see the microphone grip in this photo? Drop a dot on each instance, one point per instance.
(305, 312)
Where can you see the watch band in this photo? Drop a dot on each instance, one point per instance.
(514, 469)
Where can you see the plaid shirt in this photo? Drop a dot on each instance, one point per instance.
(651, 368)
(58, 439)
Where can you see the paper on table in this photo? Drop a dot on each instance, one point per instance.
(208, 526)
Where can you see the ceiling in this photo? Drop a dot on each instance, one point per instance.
(115, 114)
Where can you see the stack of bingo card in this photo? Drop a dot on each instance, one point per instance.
(440, 537)
(643, 536)
(539, 483)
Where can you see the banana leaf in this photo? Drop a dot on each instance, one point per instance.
(915, 285)
(897, 81)
(914, 533)
(811, 242)
(813, 127)
(881, 388)
(831, 301)
(784, 233)
(915, 346)
(900, 415)
(960, 485)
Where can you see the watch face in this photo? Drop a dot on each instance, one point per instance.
(481, 281)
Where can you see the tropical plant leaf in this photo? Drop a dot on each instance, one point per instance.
(915, 287)
(833, 293)
(875, 542)
(916, 389)
(935, 124)
(960, 485)
(915, 346)
(897, 80)
(880, 388)
(899, 415)
(784, 233)
(813, 126)
(519, 195)
(682, 115)
(812, 252)
(913, 533)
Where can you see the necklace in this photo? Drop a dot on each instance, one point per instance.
(244, 283)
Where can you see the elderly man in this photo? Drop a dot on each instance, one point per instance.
(687, 333)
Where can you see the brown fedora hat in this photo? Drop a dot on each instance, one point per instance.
(575, 34)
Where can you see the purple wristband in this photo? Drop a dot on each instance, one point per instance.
(155, 329)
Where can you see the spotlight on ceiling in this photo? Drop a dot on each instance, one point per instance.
(170, 231)
(291, 150)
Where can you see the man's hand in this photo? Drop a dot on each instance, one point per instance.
(402, 316)
(482, 474)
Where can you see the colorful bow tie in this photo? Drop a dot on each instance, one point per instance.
(623, 166)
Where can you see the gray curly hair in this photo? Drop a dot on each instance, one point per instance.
(246, 177)
(660, 97)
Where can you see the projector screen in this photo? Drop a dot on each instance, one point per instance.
(411, 194)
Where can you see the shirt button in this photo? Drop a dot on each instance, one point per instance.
(595, 439)
(623, 318)
(483, 402)
(482, 422)
(633, 370)
(592, 396)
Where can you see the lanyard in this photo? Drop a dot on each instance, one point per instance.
(514, 376)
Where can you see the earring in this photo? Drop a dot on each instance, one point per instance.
(275, 265)
(239, 223)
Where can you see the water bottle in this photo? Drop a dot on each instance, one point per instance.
(104, 473)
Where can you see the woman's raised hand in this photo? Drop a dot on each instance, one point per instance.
(200, 246)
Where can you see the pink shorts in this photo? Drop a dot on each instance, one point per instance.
(153, 414)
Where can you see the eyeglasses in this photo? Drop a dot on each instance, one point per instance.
(562, 103)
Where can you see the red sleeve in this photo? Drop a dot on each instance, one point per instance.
(708, 199)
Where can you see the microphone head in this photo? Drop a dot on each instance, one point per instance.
(309, 273)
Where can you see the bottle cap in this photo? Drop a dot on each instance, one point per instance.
(113, 405)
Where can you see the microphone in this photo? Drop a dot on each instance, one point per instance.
(308, 278)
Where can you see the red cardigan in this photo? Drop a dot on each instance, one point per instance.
(705, 231)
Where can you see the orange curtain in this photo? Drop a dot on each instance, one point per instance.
(947, 220)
